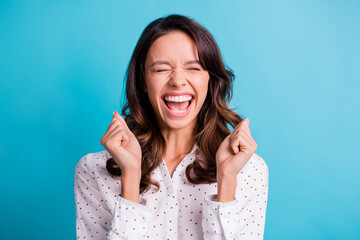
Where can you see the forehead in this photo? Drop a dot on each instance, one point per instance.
(175, 46)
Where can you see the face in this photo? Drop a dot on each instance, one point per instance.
(176, 83)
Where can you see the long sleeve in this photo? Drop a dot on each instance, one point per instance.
(244, 217)
(220, 220)
(92, 214)
(94, 219)
(130, 220)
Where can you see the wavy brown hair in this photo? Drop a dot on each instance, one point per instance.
(212, 121)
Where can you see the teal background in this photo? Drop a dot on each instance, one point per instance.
(297, 67)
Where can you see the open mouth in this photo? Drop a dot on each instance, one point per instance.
(178, 104)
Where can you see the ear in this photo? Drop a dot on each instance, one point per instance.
(145, 88)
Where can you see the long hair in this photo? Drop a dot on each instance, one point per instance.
(212, 120)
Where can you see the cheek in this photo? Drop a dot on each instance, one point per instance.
(203, 89)
(154, 94)
(152, 98)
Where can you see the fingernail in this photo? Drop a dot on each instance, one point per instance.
(114, 112)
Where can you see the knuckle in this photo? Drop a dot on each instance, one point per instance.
(120, 129)
(242, 128)
(240, 131)
(254, 147)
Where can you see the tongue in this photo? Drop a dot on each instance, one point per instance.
(178, 105)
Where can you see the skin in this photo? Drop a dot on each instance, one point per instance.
(176, 48)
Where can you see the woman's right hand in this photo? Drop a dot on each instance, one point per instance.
(123, 146)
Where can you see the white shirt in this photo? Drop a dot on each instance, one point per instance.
(179, 210)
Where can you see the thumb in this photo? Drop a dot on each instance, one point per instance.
(247, 122)
(119, 117)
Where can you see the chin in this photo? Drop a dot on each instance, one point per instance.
(178, 124)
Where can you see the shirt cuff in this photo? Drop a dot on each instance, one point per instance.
(219, 218)
(129, 220)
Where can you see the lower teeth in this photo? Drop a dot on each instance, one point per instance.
(178, 111)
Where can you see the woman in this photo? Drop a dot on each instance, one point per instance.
(171, 168)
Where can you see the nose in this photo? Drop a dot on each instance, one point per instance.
(177, 78)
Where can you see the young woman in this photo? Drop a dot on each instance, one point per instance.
(172, 169)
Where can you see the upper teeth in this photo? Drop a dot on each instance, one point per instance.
(182, 98)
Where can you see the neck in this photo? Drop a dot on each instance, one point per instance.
(179, 142)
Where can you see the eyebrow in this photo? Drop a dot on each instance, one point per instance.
(165, 62)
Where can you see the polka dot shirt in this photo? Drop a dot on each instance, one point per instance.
(179, 210)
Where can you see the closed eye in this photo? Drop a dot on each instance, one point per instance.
(161, 70)
(194, 69)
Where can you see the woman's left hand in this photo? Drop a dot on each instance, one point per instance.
(235, 151)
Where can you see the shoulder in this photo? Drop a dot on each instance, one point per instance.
(92, 162)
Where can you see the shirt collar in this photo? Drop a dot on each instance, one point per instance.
(107, 154)
(195, 147)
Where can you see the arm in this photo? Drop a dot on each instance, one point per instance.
(242, 216)
(94, 220)
(130, 218)
(92, 214)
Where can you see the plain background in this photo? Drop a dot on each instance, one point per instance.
(62, 65)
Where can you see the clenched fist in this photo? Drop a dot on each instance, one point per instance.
(235, 150)
(123, 146)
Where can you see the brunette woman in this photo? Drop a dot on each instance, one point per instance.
(172, 169)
